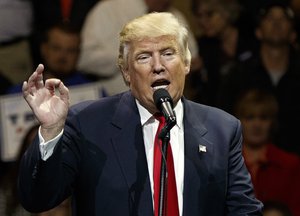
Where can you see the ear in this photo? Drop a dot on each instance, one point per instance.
(187, 68)
(126, 75)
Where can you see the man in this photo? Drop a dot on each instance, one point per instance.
(48, 12)
(100, 37)
(102, 153)
(60, 50)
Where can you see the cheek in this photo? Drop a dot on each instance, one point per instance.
(267, 127)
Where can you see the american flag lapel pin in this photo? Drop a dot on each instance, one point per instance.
(202, 148)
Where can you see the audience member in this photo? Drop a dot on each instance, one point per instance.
(100, 37)
(50, 12)
(275, 173)
(248, 17)
(15, 31)
(276, 69)
(60, 50)
(220, 44)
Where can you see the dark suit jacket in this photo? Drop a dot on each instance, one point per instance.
(101, 160)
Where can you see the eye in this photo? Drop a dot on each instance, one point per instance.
(168, 52)
(143, 58)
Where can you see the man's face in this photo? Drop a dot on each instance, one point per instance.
(276, 28)
(152, 64)
(211, 20)
(60, 52)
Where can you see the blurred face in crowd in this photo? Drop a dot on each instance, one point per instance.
(276, 28)
(158, 5)
(256, 126)
(155, 63)
(211, 20)
(61, 52)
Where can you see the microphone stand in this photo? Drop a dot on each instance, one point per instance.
(165, 138)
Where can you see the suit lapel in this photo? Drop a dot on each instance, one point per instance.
(197, 154)
(130, 151)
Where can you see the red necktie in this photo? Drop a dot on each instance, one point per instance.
(171, 201)
(66, 9)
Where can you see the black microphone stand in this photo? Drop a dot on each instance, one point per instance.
(165, 138)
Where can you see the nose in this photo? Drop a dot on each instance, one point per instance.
(157, 64)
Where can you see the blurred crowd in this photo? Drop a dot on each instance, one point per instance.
(245, 60)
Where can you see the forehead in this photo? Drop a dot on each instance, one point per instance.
(161, 42)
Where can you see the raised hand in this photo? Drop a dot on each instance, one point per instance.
(50, 109)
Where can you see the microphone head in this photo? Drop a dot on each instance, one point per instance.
(160, 96)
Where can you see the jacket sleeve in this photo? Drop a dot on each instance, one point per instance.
(43, 185)
(240, 194)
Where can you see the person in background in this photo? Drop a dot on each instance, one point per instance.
(48, 13)
(60, 50)
(275, 173)
(220, 45)
(275, 69)
(15, 32)
(100, 37)
(104, 152)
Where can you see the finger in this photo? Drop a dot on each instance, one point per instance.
(35, 81)
(25, 90)
(63, 92)
(39, 76)
(51, 84)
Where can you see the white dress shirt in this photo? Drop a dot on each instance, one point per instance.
(150, 125)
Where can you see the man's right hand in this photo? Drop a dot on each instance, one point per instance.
(50, 109)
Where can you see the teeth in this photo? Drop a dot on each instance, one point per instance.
(159, 87)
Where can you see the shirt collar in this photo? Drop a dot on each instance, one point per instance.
(145, 115)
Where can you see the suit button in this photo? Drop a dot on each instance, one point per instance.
(34, 172)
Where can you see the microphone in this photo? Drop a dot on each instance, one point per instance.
(164, 104)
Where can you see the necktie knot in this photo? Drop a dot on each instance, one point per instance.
(160, 117)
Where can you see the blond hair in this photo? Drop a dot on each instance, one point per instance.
(150, 26)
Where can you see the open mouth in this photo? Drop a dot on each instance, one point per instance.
(160, 84)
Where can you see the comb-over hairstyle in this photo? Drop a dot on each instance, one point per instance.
(153, 25)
